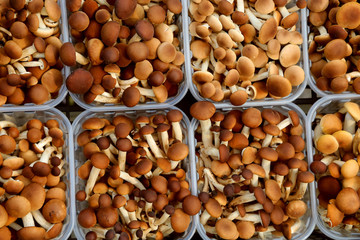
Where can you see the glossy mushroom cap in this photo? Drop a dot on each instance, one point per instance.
(191, 205)
(202, 110)
(79, 81)
(100, 160)
(54, 211)
(87, 218)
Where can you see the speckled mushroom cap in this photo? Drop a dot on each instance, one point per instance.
(202, 110)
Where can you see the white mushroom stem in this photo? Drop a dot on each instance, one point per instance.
(284, 11)
(266, 165)
(81, 59)
(15, 226)
(212, 180)
(216, 139)
(110, 155)
(206, 132)
(28, 220)
(205, 187)
(103, 2)
(4, 30)
(212, 152)
(41, 220)
(210, 230)
(45, 156)
(255, 180)
(349, 123)
(243, 199)
(300, 192)
(257, 24)
(205, 216)
(284, 123)
(279, 179)
(251, 217)
(130, 81)
(147, 92)
(254, 207)
(20, 68)
(293, 176)
(240, 5)
(153, 146)
(94, 173)
(6, 124)
(164, 136)
(317, 133)
(322, 30)
(149, 155)
(103, 99)
(176, 128)
(101, 232)
(206, 160)
(122, 160)
(234, 214)
(39, 63)
(351, 75)
(245, 131)
(260, 77)
(40, 145)
(134, 181)
(163, 219)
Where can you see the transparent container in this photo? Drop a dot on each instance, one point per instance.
(296, 91)
(308, 220)
(328, 104)
(63, 24)
(80, 232)
(307, 62)
(182, 89)
(20, 117)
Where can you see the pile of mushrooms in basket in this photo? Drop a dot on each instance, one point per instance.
(245, 49)
(252, 173)
(30, 69)
(129, 51)
(134, 184)
(32, 193)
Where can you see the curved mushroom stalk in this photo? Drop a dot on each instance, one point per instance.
(101, 232)
(349, 123)
(21, 69)
(212, 180)
(106, 99)
(39, 63)
(15, 226)
(300, 192)
(7, 124)
(251, 217)
(43, 30)
(257, 24)
(94, 173)
(39, 218)
(352, 75)
(39, 147)
(134, 181)
(205, 216)
(45, 156)
(254, 207)
(28, 220)
(243, 199)
(240, 5)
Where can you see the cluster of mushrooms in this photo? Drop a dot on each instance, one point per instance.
(129, 51)
(336, 165)
(333, 45)
(245, 49)
(32, 193)
(30, 70)
(136, 186)
(252, 172)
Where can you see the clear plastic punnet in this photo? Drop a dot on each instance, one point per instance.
(307, 62)
(20, 117)
(65, 72)
(308, 220)
(79, 157)
(296, 91)
(327, 104)
(183, 87)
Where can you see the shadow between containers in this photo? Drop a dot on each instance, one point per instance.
(105, 113)
(19, 117)
(327, 104)
(183, 87)
(65, 72)
(310, 197)
(307, 65)
(296, 92)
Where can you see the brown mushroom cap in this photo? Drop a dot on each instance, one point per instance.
(251, 117)
(202, 110)
(268, 30)
(348, 15)
(107, 217)
(54, 211)
(226, 229)
(272, 190)
(144, 29)
(296, 209)
(29, 233)
(178, 151)
(87, 218)
(348, 201)
(79, 81)
(124, 8)
(191, 205)
(100, 160)
(17, 206)
(35, 193)
(67, 54)
(79, 21)
(246, 229)
(180, 221)
(7, 144)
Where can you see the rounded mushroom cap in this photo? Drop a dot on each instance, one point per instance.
(278, 86)
(67, 54)
(256, 169)
(5, 233)
(238, 141)
(17, 206)
(35, 193)
(100, 160)
(79, 21)
(202, 110)
(330, 123)
(180, 221)
(87, 218)
(245, 67)
(251, 117)
(137, 51)
(144, 29)
(348, 201)
(336, 49)
(38, 94)
(327, 144)
(295, 74)
(107, 217)
(296, 209)
(334, 68)
(143, 166)
(124, 8)
(226, 229)
(272, 190)
(54, 211)
(213, 208)
(19, 30)
(131, 96)
(348, 15)
(29, 233)
(289, 55)
(79, 81)
(159, 183)
(156, 14)
(306, 177)
(350, 168)
(285, 151)
(191, 205)
(178, 151)
(3, 217)
(268, 154)
(7, 144)
(270, 115)
(268, 31)
(174, 115)
(200, 49)
(246, 229)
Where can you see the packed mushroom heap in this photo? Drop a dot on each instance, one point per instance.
(333, 45)
(245, 49)
(30, 70)
(252, 172)
(128, 51)
(136, 185)
(336, 165)
(32, 190)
